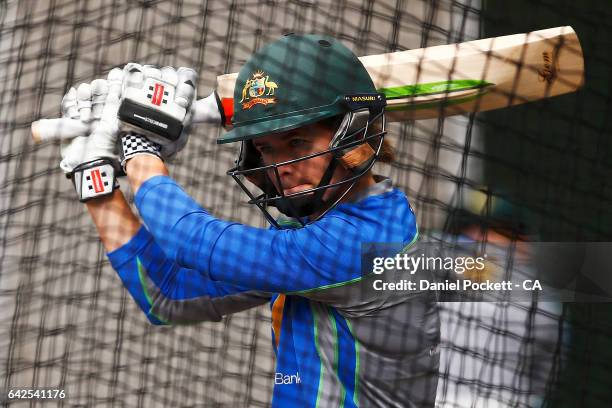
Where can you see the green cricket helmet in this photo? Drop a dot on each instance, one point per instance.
(296, 81)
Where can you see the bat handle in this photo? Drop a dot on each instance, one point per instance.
(208, 110)
(213, 109)
(57, 129)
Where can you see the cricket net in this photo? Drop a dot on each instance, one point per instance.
(538, 171)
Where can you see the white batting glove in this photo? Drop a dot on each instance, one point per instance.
(72, 150)
(205, 110)
(85, 105)
(91, 160)
(156, 109)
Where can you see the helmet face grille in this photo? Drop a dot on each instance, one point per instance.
(351, 136)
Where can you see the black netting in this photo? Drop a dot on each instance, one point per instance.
(539, 171)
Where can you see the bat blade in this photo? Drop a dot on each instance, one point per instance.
(444, 80)
(473, 76)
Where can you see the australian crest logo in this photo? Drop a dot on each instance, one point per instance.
(258, 90)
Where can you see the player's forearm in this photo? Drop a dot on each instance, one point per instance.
(169, 294)
(142, 167)
(114, 219)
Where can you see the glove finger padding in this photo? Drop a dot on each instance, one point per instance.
(169, 75)
(186, 87)
(99, 91)
(103, 140)
(133, 75)
(153, 72)
(72, 150)
(69, 104)
(108, 114)
(115, 80)
(184, 96)
(84, 102)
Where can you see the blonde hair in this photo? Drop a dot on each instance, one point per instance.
(387, 151)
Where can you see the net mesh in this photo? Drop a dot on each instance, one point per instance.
(66, 321)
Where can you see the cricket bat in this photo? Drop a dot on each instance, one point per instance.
(473, 76)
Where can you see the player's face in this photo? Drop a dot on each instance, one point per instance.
(304, 174)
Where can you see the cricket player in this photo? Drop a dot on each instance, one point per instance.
(310, 125)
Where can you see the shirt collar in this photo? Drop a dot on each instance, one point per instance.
(382, 185)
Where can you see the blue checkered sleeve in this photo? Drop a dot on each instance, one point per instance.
(319, 255)
(169, 294)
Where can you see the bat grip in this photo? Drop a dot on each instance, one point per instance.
(57, 129)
